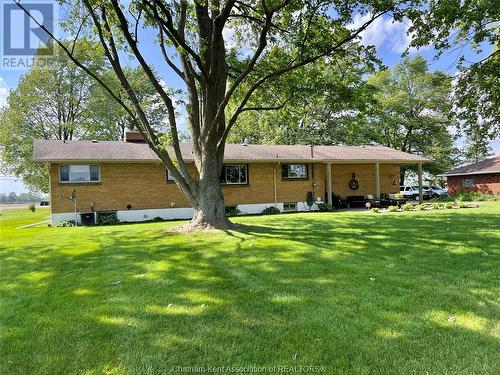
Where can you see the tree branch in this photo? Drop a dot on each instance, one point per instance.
(173, 33)
(262, 108)
(262, 45)
(123, 24)
(112, 55)
(289, 68)
(165, 55)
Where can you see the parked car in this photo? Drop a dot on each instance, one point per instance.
(437, 191)
(411, 192)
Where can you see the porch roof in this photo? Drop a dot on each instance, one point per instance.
(119, 151)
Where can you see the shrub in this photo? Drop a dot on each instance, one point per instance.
(158, 218)
(408, 207)
(67, 223)
(325, 207)
(420, 207)
(271, 210)
(107, 218)
(375, 210)
(393, 208)
(398, 196)
(233, 211)
(449, 205)
(461, 204)
(32, 207)
(474, 196)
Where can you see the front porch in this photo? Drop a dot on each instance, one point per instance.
(346, 181)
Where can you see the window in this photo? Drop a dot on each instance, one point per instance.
(79, 173)
(170, 178)
(287, 207)
(234, 174)
(468, 182)
(294, 171)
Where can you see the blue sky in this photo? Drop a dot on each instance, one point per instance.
(390, 38)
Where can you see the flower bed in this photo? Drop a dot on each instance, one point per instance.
(427, 207)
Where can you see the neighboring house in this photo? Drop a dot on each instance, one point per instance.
(482, 177)
(126, 177)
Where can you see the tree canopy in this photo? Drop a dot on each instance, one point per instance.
(413, 112)
(321, 104)
(452, 26)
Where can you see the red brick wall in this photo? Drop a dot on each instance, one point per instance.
(483, 183)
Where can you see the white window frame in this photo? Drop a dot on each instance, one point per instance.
(239, 166)
(295, 177)
(89, 181)
(293, 204)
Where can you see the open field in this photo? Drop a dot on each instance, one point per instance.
(397, 293)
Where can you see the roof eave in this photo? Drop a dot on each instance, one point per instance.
(470, 173)
(336, 161)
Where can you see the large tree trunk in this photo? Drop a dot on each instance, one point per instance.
(208, 200)
(209, 208)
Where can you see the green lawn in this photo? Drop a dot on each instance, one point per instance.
(398, 293)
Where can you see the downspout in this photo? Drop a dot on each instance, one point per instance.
(50, 191)
(312, 173)
(313, 181)
(274, 186)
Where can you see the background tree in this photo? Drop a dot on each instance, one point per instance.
(62, 102)
(452, 26)
(12, 197)
(477, 145)
(107, 117)
(413, 113)
(324, 104)
(275, 38)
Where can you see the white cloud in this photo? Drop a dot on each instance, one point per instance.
(384, 32)
(4, 92)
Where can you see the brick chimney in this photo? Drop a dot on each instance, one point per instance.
(133, 137)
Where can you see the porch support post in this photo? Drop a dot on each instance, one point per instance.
(329, 183)
(377, 180)
(420, 188)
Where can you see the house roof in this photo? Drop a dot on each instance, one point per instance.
(491, 165)
(119, 151)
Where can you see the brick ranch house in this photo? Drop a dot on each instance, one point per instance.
(126, 177)
(481, 177)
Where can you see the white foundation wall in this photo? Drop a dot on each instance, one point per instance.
(249, 209)
(303, 206)
(164, 213)
(65, 216)
(180, 213)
